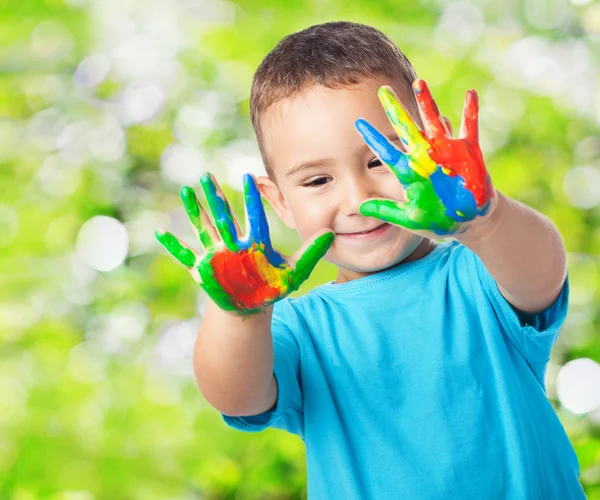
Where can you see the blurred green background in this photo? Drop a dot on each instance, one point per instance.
(107, 107)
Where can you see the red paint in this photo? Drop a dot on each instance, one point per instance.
(460, 156)
(241, 278)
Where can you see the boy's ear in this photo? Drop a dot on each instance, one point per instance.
(274, 196)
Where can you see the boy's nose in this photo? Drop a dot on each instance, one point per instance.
(357, 189)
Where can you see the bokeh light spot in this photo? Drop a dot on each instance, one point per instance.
(102, 243)
(582, 187)
(578, 385)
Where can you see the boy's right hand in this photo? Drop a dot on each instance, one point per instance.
(448, 188)
(240, 275)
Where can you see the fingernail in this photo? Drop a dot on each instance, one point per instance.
(419, 85)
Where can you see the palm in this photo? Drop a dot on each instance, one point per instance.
(462, 157)
(243, 275)
(247, 277)
(446, 182)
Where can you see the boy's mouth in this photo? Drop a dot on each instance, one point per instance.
(368, 234)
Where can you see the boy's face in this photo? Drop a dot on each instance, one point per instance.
(323, 171)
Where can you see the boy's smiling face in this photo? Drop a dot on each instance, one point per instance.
(323, 171)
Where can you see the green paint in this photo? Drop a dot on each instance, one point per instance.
(219, 207)
(193, 209)
(400, 119)
(268, 261)
(309, 259)
(423, 211)
(211, 286)
(291, 279)
(176, 249)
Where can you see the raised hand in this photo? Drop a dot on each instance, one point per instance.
(445, 179)
(241, 275)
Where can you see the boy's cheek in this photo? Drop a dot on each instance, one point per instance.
(390, 188)
(401, 192)
(397, 194)
(402, 195)
(288, 218)
(303, 215)
(308, 217)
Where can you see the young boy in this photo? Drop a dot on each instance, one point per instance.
(418, 373)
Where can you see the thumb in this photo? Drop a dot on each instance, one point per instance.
(309, 254)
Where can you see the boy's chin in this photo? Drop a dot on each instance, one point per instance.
(370, 267)
(366, 265)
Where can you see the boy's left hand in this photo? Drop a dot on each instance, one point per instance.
(446, 182)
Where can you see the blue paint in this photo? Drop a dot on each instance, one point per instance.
(257, 220)
(459, 201)
(389, 154)
(221, 212)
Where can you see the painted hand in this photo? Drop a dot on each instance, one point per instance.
(445, 179)
(240, 275)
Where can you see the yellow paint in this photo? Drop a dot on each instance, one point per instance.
(410, 134)
(275, 277)
(424, 165)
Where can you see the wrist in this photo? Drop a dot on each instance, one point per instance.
(484, 226)
(253, 315)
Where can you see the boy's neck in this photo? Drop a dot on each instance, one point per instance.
(423, 249)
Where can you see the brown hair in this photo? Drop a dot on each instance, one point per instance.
(334, 55)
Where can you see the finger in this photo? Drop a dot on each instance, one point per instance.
(310, 254)
(432, 121)
(402, 122)
(409, 215)
(257, 225)
(221, 194)
(393, 212)
(386, 151)
(221, 212)
(177, 248)
(409, 168)
(469, 127)
(198, 218)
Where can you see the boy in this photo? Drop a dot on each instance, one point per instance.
(418, 373)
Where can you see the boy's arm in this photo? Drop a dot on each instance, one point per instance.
(233, 356)
(522, 250)
(233, 361)
(449, 192)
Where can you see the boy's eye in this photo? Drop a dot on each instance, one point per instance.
(375, 162)
(319, 181)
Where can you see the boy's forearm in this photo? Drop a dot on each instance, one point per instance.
(233, 361)
(523, 251)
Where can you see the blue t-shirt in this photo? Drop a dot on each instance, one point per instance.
(420, 382)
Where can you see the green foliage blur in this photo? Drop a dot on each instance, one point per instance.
(107, 107)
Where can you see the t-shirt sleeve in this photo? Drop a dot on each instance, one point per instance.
(533, 334)
(287, 413)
